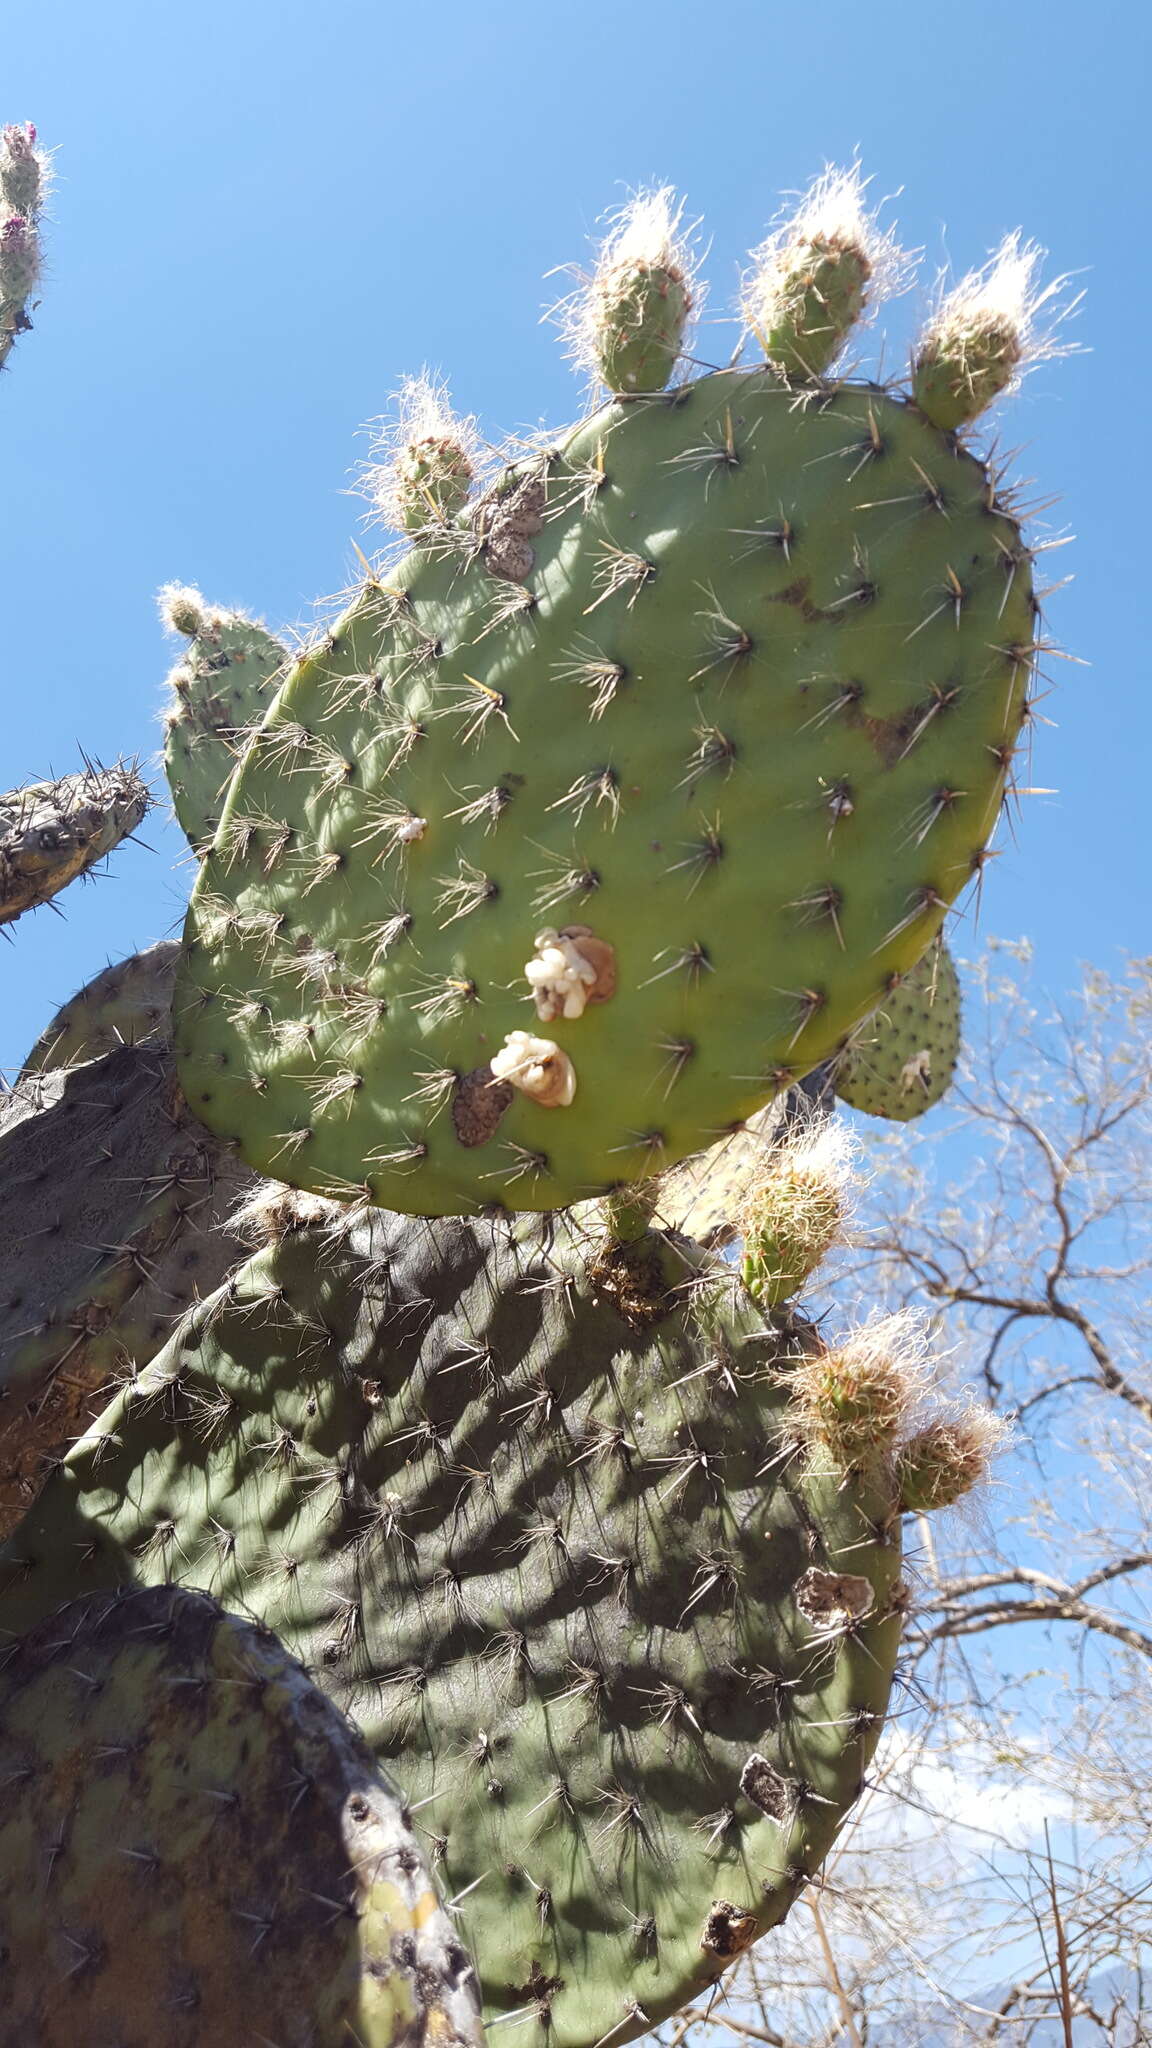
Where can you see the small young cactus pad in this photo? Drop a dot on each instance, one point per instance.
(541, 1514)
(717, 700)
(627, 323)
(195, 1848)
(50, 832)
(902, 1059)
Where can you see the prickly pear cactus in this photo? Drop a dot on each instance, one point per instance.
(126, 1003)
(168, 1768)
(614, 804)
(546, 1517)
(902, 1059)
(217, 692)
(114, 1208)
(51, 832)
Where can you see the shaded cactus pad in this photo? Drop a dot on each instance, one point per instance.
(532, 1510)
(730, 682)
(124, 1004)
(51, 832)
(196, 1848)
(902, 1060)
(113, 1220)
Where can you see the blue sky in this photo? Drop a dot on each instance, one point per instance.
(266, 216)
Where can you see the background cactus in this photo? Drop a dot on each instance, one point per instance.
(195, 1847)
(23, 183)
(51, 832)
(902, 1060)
(610, 809)
(542, 1513)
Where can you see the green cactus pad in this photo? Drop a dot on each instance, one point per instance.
(126, 1003)
(902, 1060)
(113, 1220)
(52, 832)
(195, 1848)
(220, 689)
(747, 718)
(525, 1505)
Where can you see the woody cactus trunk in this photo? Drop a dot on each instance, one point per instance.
(629, 790)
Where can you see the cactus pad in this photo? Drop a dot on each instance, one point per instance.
(902, 1060)
(113, 1208)
(219, 690)
(125, 1004)
(195, 1848)
(726, 687)
(51, 832)
(534, 1511)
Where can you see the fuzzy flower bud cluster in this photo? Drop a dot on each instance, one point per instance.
(984, 334)
(794, 1211)
(947, 1459)
(875, 1403)
(626, 322)
(812, 280)
(426, 459)
(183, 610)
